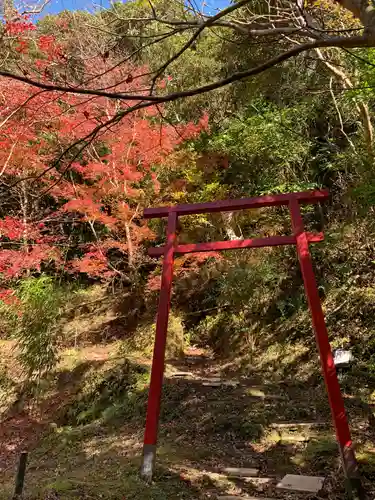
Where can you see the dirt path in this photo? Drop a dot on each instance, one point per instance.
(236, 422)
(209, 421)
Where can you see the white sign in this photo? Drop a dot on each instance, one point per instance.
(342, 357)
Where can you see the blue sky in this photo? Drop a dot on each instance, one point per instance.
(56, 6)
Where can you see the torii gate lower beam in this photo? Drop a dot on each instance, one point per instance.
(301, 239)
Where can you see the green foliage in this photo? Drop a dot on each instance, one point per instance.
(364, 193)
(225, 332)
(293, 128)
(265, 132)
(117, 393)
(142, 340)
(245, 282)
(365, 65)
(8, 319)
(36, 332)
(268, 148)
(244, 293)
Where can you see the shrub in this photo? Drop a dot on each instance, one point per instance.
(143, 338)
(8, 319)
(36, 330)
(115, 393)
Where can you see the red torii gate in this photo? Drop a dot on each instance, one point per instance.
(301, 239)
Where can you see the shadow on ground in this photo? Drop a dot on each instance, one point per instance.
(93, 448)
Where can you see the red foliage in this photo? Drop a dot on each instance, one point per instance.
(14, 262)
(183, 266)
(91, 211)
(191, 262)
(23, 46)
(93, 263)
(15, 229)
(154, 283)
(103, 190)
(20, 26)
(8, 297)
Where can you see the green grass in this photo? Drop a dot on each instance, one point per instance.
(87, 468)
(96, 462)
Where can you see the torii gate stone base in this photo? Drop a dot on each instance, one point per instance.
(301, 239)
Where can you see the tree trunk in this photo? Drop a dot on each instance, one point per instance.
(227, 218)
(364, 11)
(130, 245)
(361, 106)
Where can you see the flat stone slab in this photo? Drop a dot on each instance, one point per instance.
(181, 374)
(234, 497)
(217, 383)
(289, 438)
(310, 484)
(297, 425)
(254, 392)
(240, 472)
(259, 481)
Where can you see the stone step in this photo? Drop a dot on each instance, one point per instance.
(240, 472)
(220, 383)
(290, 439)
(309, 484)
(258, 481)
(209, 380)
(181, 374)
(234, 497)
(255, 392)
(297, 425)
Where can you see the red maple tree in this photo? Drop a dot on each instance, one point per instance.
(77, 170)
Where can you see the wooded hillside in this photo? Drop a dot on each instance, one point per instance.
(156, 103)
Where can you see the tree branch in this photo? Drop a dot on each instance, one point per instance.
(346, 42)
(339, 116)
(361, 106)
(201, 27)
(36, 9)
